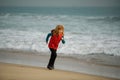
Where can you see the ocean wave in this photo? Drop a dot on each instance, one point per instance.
(81, 44)
(108, 19)
(28, 31)
(75, 17)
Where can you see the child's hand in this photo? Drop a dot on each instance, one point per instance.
(63, 41)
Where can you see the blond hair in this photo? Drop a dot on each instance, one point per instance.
(58, 30)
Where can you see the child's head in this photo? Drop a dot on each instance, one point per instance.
(58, 30)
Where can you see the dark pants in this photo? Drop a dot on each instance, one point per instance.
(52, 58)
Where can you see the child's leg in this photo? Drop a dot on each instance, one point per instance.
(52, 58)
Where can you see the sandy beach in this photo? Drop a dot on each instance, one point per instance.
(21, 72)
(27, 65)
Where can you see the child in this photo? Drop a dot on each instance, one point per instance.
(57, 35)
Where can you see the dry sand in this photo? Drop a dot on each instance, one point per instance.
(21, 72)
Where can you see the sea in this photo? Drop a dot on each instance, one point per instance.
(88, 30)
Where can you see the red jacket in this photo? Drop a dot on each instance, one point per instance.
(54, 41)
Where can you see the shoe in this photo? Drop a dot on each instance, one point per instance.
(50, 68)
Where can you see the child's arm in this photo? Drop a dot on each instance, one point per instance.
(63, 41)
(47, 38)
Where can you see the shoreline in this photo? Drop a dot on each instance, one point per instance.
(99, 65)
(96, 59)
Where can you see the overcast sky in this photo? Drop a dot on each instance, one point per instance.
(60, 3)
